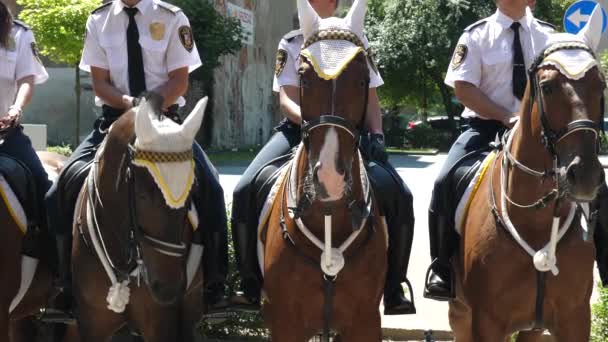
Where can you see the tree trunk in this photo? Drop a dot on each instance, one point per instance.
(77, 90)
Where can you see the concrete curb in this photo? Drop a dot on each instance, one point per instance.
(394, 334)
(415, 334)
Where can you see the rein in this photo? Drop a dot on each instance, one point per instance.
(119, 293)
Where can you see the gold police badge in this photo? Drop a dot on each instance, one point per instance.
(186, 37)
(157, 31)
(281, 61)
(460, 54)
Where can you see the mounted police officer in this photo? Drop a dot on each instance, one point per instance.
(20, 70)
(489, 74)
(396, 200)
(132, 46)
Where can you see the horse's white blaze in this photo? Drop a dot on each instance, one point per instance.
(329, 177)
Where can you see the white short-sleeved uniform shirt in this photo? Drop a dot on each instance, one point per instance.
(288, 62)
(484, 56)
(18, 59)
(165, 37)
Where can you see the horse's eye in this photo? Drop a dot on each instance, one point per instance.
(303, 82)
(547, 88)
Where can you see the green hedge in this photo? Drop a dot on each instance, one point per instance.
(599, 328)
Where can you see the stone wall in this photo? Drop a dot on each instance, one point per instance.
(244, 107)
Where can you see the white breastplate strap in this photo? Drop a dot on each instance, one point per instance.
(332, 259)
(119, 293)
(544, 259)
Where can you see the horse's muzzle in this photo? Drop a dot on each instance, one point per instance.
(583, 177)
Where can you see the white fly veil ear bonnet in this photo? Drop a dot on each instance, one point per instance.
(164, 148)
(570, 55)
(573, 55)
(331, 44)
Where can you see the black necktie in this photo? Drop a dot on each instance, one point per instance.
(137, 78)
(519, 66)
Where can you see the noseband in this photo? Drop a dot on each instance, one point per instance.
(551, 137)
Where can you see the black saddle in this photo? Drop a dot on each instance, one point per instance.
(462, 174)
(71, 181)
(265, 179)
(20, 179)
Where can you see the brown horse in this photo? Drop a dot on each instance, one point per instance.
(26, 281)
(133, 230)
(509, 278)
(323, 202)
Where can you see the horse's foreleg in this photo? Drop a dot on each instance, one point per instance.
(573, 326)
(460, 321)
(529, 336)
(369, 329)
(486, 328)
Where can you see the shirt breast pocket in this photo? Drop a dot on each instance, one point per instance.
(497, 65)
(154, 53)
(8, 62)
(115, 49)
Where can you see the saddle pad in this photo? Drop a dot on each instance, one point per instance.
(13, 204)
(465, 201)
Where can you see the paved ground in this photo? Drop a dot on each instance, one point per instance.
(419, 173)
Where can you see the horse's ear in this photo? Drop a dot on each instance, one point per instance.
(193, 122)
(309, 19)
(356, 17)
(144, 129)
(591, 34)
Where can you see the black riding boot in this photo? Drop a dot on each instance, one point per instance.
(245, 246)
(440, 276)
(399, 247)
(61, 310)
(64, 259)
(215, 269)
(601, 234)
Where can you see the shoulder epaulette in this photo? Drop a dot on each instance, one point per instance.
(21, 24)
(170, 7)
(544, 23)
(475, 25)
(292, 35)
(102, 7)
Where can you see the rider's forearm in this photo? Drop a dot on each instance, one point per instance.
(109, 94)
(373, 119)
(290, 103)
(25, 90)
(474, 99)
(176, 86)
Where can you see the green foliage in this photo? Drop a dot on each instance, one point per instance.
(59, 26)
(424, 136)
(215, 35)
(64, 150)
(599, 328)
(414, 41)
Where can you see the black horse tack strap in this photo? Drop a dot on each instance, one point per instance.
(329, 281)
(551, 137)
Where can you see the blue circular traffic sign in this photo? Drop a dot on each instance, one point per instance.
(578, 14)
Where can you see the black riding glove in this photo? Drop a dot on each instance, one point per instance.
(377, 150)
